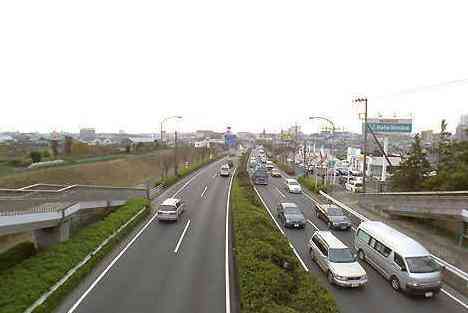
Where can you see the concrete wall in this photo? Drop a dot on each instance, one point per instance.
(9, 241)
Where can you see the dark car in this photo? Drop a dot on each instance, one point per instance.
(230, 163)
(333, 216)
(290, 215)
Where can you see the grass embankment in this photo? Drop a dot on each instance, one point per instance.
(16, 255)
(112, 172)
(170, 180)
(312, 185)
(266, 284)
(24, 283)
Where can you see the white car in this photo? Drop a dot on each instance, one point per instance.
(354, 186)
(224, 170)
(337, 260)
(171, 209)
(293, 186)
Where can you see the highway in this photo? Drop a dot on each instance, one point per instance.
(168, 267)
(377, 296)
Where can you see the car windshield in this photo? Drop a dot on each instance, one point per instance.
(341, 255)
(422, 264)
(293, 183)
(167, 208)
(335, 212)
(358, 184)
(292, 211)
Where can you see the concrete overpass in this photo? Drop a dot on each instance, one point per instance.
(448, 207)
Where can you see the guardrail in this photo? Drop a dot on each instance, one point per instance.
(452, 268)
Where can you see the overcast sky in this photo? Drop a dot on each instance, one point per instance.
(249, 64)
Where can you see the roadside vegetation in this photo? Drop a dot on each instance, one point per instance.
(23, 284)
(16, 255)
(107, 170)
(312, 185)
(448, 172)
(269, 275)
(186, 170)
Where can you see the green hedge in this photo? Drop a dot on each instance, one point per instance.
(16, 255)
(309, 183)
(285, 168)
(25, 283)
(266, 285)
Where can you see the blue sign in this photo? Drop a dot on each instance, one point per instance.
(230, 139)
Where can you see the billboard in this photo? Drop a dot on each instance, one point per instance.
(390, 125)
(230, 139)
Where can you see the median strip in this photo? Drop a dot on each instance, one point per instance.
(272, 276)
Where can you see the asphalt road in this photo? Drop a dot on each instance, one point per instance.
(377, 296)
(169, 267)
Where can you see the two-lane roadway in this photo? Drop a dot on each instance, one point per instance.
(377, 296)
(168, 267)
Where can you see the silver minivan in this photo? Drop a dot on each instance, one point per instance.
(337, 260)
(170, 209)
(400, 259)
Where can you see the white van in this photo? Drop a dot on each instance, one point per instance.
(399, 258)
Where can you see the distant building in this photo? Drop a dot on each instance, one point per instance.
(427, 137)
(6, 139)
(87, 134)
(202, 134)
(462, 129)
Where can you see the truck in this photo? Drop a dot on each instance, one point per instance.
(260, 176)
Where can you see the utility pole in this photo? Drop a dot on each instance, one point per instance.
(364, 100)
(175, 153)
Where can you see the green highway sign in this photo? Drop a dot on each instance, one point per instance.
(390, 128)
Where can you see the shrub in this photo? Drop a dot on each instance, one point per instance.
(46, 154)
(26, 282)
(261, 252)
(313, 186)
(285, 168)
(17, 254)
(36, 156)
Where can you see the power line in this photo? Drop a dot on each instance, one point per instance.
(425, 88)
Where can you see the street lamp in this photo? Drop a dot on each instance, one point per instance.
(166, 119)
(332, 130)
(175, 139)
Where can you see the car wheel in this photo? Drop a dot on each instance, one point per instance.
(395, 283)
(331, 280)
(361, 255)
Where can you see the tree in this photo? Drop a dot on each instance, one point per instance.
(444, 149)
(54, 147)
(36, 156)
(67, 146)
(413, 171)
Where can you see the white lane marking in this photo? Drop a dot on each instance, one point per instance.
(310, 222)
(282, 232)
(271, 215)
(226, 249)
(182, 237)
(214, 176)
(277, 189)
(98, 279)
(454, 298)
(186, 184)
(204, 190)
(298, 257)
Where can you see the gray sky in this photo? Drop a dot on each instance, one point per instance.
(250, 64)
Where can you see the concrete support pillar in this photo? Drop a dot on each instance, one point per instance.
(46, 237)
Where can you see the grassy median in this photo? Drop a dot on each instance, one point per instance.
(24, 283)
(312, 185)
(269, 275)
